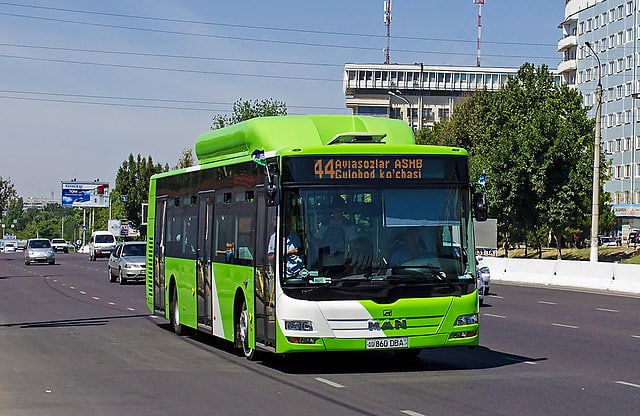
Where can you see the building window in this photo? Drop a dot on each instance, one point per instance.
(621, 11)
(629, 63)
(618, 176)
(603, 44)
(627, 89)
(629, 8)
(612, 15)
(596, 22)
(581, 28)
(605, 18)
(610, 93)
(627, 119)
(627, 142)
(618, 92)
(612, 67)
(589, 24)
(612, 41)
(619, 118)
(627, 171)
(629, 36)
(443, 113)
(620, 62)
(638, 175)
(637, 142)
(619, 38)
(609, 146)
(588, 74)
(625, 197)
(618, 145)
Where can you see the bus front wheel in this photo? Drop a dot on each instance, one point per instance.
(242, 333)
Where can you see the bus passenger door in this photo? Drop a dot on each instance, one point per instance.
(203, 263)
(264, 286)
(158, 254)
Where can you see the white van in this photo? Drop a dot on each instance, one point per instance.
(101, 244)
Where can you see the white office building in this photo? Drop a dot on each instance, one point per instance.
(418, 94)
(611, 28)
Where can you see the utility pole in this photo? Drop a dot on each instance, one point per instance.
(387, 23)
(479, 3)
(595, 208)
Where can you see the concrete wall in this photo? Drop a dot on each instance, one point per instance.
(570, 273)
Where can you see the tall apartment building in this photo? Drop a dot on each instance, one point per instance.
(611, 28)
(418, 94)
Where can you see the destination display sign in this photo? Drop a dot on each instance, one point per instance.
(352, 168)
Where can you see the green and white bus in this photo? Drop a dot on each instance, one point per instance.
(316, 233)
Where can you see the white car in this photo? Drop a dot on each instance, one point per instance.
(484, 279)
(10, 246)
(60, 244)
(101, 244)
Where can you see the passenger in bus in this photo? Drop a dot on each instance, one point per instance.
(229, 252)
(407, 246)
(336, 233)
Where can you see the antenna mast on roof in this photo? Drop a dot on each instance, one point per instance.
(387, 23)
(479, 3)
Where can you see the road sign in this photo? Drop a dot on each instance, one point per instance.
(123, 198)
(84, 228)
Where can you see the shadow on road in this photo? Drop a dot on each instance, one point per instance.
(436, 359)
(61, 323)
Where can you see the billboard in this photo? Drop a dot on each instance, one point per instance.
(85, 194)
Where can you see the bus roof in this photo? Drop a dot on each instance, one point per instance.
(299, 132)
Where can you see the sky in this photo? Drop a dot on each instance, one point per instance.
(85, 83)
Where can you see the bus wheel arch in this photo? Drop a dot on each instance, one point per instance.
(241, 326)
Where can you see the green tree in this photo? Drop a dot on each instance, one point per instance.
(534, 141)
(187, 159)
(7, 193)
(248, 109)
(132, 183)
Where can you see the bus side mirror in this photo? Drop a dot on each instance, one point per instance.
(272, 191)
(480, 207)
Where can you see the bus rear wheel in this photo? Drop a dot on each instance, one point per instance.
(174, 314)
(242, 333)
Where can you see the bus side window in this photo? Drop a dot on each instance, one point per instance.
(225, 241)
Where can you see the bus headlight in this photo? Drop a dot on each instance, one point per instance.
(298, 325)
(467, 320)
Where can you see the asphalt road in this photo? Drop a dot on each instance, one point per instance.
(71, 343)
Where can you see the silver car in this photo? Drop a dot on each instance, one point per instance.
(38, 250)
(127, 262)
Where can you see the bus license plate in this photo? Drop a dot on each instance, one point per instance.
(381, 343)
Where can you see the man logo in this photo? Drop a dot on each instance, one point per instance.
(386, 324)
(386, 312)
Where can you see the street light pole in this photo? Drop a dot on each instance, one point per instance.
(399, 95)
(595, 209)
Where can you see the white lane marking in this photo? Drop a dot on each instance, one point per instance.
(110, 303)
(625, 383)
(329, 382)
(411, 413)
(95, 298)
(494, 315)
(72, 288)
(635, 336)
(565, 326)
(82, 292)
(54, 280)
(607, 310)
(544, 302)
(63, 284)
(131, 309)
(496, 296)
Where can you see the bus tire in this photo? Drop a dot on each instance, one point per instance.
(242, 333)
(174, 314)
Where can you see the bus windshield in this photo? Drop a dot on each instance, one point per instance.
(386, 235)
